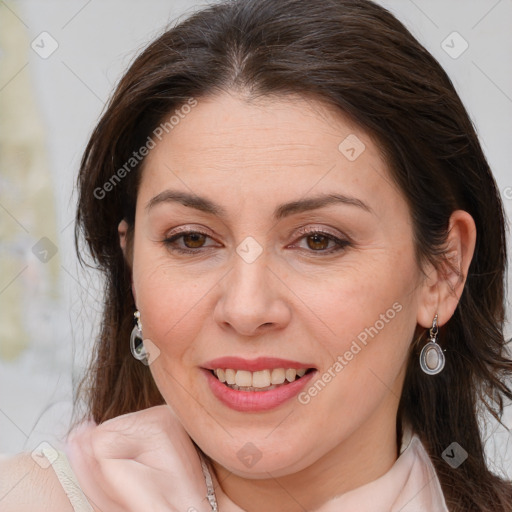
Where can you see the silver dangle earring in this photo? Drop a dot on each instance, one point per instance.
(136, 340)
(432, 356)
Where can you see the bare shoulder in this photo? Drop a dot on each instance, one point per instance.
(27, 486)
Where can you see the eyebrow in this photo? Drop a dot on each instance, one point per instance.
(284, 210)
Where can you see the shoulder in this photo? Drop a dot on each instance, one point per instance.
(27, 485)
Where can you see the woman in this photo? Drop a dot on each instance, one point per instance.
(304, 254)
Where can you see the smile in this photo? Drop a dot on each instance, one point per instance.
(262, 380)
(258, 391)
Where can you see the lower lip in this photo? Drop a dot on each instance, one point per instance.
(255, 401)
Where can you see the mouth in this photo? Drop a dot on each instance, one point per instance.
(256, 385)
(262, 380)
(257, 391)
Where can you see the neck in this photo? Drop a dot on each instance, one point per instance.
(364, 456)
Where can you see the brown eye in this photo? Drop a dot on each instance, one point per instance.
(318, 242)
(194, 240)
(188, 242)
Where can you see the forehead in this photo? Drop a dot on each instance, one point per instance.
(244, 151)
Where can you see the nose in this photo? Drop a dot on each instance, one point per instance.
(252, 299)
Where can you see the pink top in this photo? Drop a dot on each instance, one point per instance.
(146, 461)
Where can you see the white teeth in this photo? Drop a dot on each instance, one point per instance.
(243, 378)
(291, 374)
(277, 376)
(261, 379)
(230, 376)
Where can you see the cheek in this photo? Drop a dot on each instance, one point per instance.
(171, 301)
(374, 321)
(366, 291)
(368, 313)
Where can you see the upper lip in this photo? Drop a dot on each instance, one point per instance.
(254, 365)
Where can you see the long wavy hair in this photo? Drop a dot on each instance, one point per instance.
(357, 57)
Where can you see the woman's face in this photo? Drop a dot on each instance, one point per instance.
(301, 250)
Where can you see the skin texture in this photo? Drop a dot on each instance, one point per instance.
(25, 486)
(295, 301)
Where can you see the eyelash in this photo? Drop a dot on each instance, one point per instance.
(305, 232)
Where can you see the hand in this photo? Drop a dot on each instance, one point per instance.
(137, 462)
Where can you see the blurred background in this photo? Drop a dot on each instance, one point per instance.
(59, 62)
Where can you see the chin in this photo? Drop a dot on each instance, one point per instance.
(257, 459)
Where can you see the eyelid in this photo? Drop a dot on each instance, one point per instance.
(187, 229)
(301, 231)
(340, 240)
(172, 236)
(320, 229)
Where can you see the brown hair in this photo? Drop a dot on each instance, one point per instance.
(360, 59)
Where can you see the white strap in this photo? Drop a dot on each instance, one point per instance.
(68, 480)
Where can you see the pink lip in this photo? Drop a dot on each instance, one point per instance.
(256, 401)
(254, 365)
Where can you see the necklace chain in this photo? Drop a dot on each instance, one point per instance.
(209, 485)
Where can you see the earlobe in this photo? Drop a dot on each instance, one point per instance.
(122, 230)
(429, 297)
(443, 286)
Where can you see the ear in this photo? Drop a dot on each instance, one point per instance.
(443, 285)
(122, 230)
